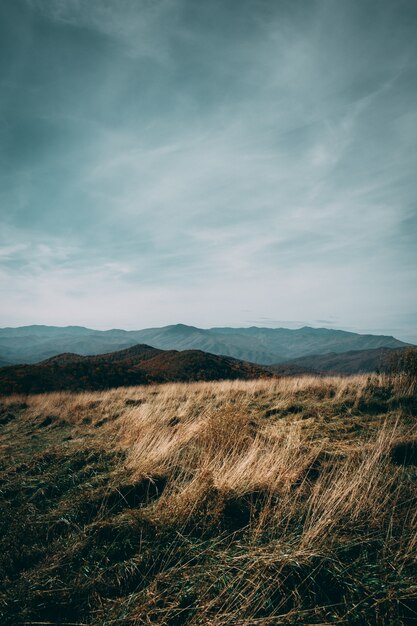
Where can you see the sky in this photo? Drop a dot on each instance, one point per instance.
(210, 162)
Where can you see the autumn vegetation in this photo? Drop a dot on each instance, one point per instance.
(267, 502)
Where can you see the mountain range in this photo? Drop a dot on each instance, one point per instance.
(265, 346)
(143, 364)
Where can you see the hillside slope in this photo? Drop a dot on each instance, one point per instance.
(280, 502)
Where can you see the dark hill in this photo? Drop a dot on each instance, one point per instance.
(198, 365)
(129, 356)
(63, 359)
(138, 365)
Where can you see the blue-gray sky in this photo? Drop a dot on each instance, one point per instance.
(211, 162)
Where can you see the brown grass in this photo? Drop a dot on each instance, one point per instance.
(267, 502)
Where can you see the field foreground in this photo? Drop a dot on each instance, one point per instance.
(288, 501)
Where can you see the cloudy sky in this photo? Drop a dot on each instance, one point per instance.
(211, 162)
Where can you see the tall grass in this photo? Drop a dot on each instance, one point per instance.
(284, 501)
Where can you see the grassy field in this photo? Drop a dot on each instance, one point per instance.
(283, 501)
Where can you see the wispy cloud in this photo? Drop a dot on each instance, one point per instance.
(140, 27)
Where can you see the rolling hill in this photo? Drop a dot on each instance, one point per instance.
(138, 365)
(266, 346)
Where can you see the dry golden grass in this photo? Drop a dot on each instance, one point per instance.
(267, 502)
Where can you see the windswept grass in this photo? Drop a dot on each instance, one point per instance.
(285, 501)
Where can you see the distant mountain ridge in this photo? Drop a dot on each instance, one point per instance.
(266, 346)
(352, 362)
